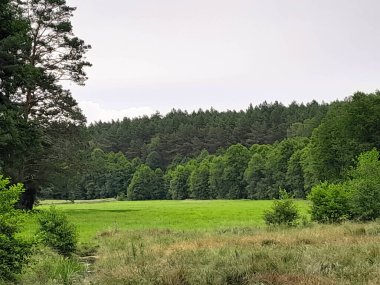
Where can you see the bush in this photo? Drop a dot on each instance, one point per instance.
(121, 197)
(56, 231)
(365, 186)
(356, 198)
(283, 211)
(331, 203)
(13, 251)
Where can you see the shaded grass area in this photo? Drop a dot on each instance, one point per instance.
(57, 202)
(188, 215)
(321, 254)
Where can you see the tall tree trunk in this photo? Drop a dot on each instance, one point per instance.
(28, 197)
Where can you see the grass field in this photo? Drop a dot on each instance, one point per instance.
(205, 242)
(94, 217)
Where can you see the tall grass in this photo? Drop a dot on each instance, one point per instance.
(48, 268)
(322, 254)
(207, 242)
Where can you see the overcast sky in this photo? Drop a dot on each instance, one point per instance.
(151, 55)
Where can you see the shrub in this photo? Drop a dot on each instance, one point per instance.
(356, 198)
(283, 211)
(330, 203)
(121, 197)
(13, 250)
(56, 231)
(365, 186)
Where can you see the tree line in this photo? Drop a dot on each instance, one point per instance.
(179, 134)
(111, 164)
(296, 163)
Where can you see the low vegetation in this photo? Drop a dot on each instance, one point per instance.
(56, 232)
(13, 249)
(282, 212)
(47, 267)
(158, 245)
(356, 198)
(318, 254)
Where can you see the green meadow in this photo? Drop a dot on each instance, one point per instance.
(203, 242)
(194, 215)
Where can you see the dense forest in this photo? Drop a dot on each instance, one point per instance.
(179, 134)
(250, 154)
(46, 144)
(228, 155)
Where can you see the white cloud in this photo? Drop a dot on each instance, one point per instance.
(95, 112)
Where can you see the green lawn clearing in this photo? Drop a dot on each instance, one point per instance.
(195, 215)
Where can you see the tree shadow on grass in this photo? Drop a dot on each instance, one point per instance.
(87, 211)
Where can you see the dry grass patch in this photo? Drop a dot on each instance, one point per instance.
(281, 279)
(320, 235)
(321, 254)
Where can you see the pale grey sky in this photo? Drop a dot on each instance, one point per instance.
(153, 55)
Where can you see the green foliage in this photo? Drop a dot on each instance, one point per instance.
(121, 197)
(57, 232)
(38, 50)
(10, 217)
(295, 175)
(216, 185)
(349, 128)
(199, 182)
(13, 250)
(356, 198)
(54, 54)
(331, 203)
(107, 175)
(153, 160)
(276, 166)
(256, 174)
(179, 134)
(14, 42)
(304, 129)
(159, 191)
(296, 163)
(20, 143)
(365, 185)
(236, 161)
(179, 186)
(283, 211)
(143, 184)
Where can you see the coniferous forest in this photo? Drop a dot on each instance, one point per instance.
(249, 154)
(227, 155)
